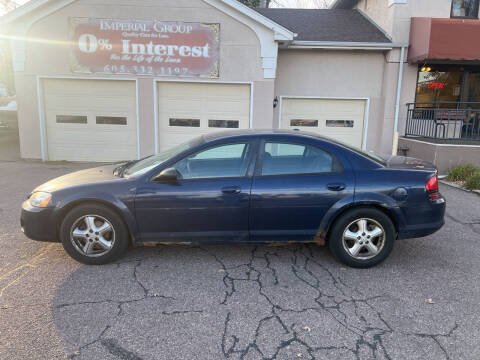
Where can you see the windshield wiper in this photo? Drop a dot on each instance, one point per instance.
(120, 170)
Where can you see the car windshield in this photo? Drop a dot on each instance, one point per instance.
(146, 164)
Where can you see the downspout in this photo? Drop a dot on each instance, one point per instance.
(397, 102)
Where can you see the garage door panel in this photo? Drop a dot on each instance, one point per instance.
(203, 102)
(124, 107)
(71, 87)
(113, 138)
(85, 153)
(341, 120)
(75, 103)
(180, 106)
(231, 107)
(85, 138)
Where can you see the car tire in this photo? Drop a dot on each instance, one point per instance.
(94, 234)
(357, 233)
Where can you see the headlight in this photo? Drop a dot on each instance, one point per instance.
(40, 199)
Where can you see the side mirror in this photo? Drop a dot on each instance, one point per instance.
(168, 175)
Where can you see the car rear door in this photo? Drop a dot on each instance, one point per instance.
(294, 185)
(209, 203)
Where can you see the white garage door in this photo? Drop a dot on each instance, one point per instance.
(90, 120)
(186, 110)
(341, 120)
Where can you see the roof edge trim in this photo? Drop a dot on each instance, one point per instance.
(375, 24)
(22, 10)
(281, 33)
(345, 45)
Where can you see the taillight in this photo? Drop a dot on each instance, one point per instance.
(432, 183)
(432, 187)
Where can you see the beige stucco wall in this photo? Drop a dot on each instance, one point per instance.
(336, 74)
(240, 59)
(394, 17)
(414, 8)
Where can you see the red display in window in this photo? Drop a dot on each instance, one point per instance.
(436, 85)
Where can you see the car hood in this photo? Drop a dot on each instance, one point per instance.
(403, 162)
(82, 177)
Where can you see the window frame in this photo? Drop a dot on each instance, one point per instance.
(111, 117)
(337, 121)
(221, 127)
(261, 153)
(195, 120)
(71, 122)
(475, 16)
(248, 173)
(315, 121)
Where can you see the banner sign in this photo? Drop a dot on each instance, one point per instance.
(150, 47)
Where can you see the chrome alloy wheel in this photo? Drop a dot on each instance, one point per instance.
(92, 235)
(363, 239)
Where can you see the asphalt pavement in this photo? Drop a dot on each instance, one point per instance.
(237, 302)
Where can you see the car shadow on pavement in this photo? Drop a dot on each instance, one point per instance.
(247, 302)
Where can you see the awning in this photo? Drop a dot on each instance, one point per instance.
(444, 39)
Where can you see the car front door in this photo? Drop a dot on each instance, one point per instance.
(294, 185)
(209, 202)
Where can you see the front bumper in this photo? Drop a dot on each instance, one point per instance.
(38, 223)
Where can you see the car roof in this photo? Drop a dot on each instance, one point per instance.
(242, 133)
(263, 132)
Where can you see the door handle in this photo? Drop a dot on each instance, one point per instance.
(231, 190)
(336, 187)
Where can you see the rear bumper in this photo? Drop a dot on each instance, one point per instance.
(416, 231)
(435, 216)
(38, 223)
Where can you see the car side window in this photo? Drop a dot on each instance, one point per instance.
(228, 160)
(289, 158)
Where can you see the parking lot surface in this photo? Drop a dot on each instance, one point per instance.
(237, 302)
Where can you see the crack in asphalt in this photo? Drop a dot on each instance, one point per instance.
(111, 344)
(363, 329)
(115, 349)
(368, 336)
(470, 224)
(77, 353)
(434, 337)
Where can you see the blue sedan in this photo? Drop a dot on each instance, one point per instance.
(242, 187)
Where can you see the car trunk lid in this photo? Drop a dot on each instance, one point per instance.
(404, 162)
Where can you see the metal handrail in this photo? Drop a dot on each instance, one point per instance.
(458, 123)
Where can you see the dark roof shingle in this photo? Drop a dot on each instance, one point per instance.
(326, 24)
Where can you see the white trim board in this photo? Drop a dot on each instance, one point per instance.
(343, 45)
(41, 105)
(366, 116)
(435, 144)
(201, 81)
(395, 2)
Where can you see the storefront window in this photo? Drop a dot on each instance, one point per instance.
(441, 84)
(474, 87)
(447, 86)
(464, 9)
